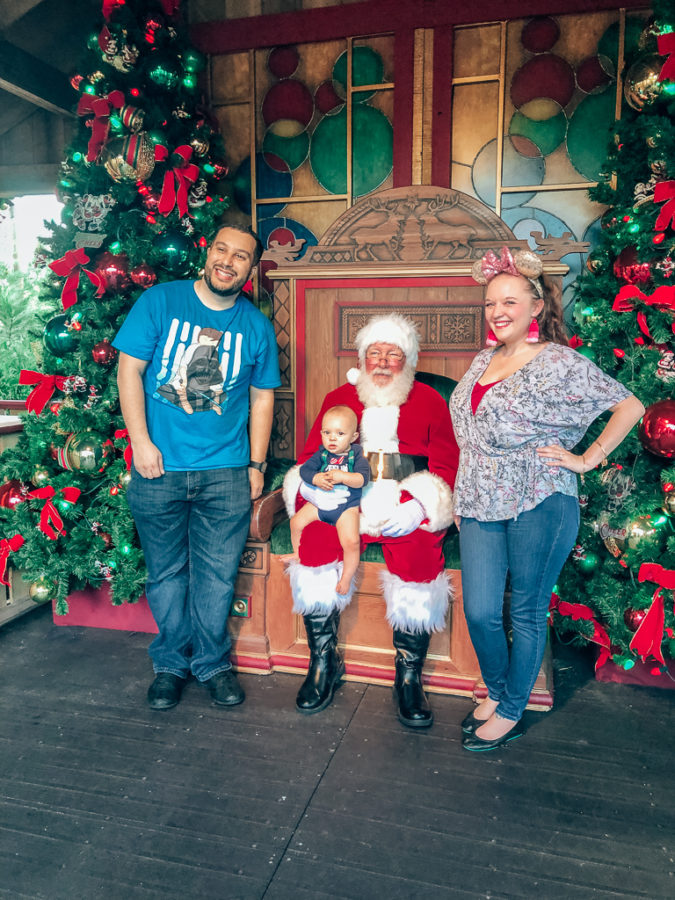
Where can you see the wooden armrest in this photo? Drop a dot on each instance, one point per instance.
(13, 404)
(266, 513)
(10, 424)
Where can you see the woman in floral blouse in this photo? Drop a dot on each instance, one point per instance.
(517, 413)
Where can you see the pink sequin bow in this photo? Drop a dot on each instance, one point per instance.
(492, 265)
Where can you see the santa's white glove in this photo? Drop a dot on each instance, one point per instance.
(408, 517)
(324, 499)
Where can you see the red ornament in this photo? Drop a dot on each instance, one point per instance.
(104, 353)
(107, 539)
(628, 269)
(633, 618)
(143, 275)
(11, 494)
(113, 270)
(657, 429)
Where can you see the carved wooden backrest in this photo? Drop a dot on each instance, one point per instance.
(408, 250)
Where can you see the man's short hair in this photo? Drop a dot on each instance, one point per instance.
(242, 229)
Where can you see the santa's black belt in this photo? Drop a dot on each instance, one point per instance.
(395, 465)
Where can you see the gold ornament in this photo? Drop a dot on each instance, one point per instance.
(130, 158)
(669, 503)
(43, 590)
(86, 451)
(125, 480)
(643, 531)
(653, 140)
(40, 476)
(642, 86)
(200, 146)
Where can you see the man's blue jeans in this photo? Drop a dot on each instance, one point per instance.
(192, 527)
(533, 549)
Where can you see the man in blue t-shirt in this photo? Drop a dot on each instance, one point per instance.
(195, 358)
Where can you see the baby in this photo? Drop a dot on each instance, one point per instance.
(339, 461)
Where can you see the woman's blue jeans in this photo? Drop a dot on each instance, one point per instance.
(532, 549)
(192, 527)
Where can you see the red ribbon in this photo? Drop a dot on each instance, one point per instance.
(45, 385)
(649, 636)
(665, 191)
(663, 299)
(128, 452)
(176, 180)
(581, 611)
(69, 267)
(109, 6)
(7, 546)
(50, 515)
(99, 108)
(666, 45)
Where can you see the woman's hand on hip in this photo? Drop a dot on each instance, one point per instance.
(555, 456)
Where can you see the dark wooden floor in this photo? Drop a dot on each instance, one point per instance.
(102, 798)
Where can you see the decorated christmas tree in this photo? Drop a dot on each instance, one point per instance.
(617, 589)
(142, 187)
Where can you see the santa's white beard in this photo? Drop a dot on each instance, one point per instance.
(393, 394)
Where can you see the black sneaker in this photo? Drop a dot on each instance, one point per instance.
(225, 690)
(165, 691)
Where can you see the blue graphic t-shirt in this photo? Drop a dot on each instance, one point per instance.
(201, 363)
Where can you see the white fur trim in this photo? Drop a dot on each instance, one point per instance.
(379, 429)
(353, 375)
(391, 329)
(434, 495)
(290, 489)
(313, 588)
(416, 606)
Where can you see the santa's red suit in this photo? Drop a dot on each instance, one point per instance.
(415, 587)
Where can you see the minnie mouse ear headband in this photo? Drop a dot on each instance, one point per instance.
(522, 262)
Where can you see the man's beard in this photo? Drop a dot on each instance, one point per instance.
(393, 394)
(224, 292)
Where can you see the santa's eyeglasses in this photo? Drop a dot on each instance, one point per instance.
(390, 355)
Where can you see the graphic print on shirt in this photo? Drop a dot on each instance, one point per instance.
(198, 365)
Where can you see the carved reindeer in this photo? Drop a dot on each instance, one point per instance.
(436, 233)
(384, 234)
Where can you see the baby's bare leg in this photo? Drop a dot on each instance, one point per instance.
(350, 541)
(302, 518)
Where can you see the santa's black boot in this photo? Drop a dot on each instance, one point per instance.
(326, 667)
(413, 707)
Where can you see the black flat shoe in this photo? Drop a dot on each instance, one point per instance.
(478, 744)
(470, 723)
(165, 691)
(225, 690)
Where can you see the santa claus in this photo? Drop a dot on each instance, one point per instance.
(405, 431)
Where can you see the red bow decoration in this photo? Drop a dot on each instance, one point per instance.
(176, 180)
(69, 267)
(100, 107)
(662, 299)
(647, 639)
(50, 515)
(109, 6)
(7, 546)
(581, 611)
(666, 45)
(45, 385)
(665, 191)
(128, 452)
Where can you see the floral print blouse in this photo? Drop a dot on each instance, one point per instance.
(552, 400)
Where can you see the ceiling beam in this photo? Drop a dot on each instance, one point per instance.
(33, 80)
(13, 10)
(31, 179)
